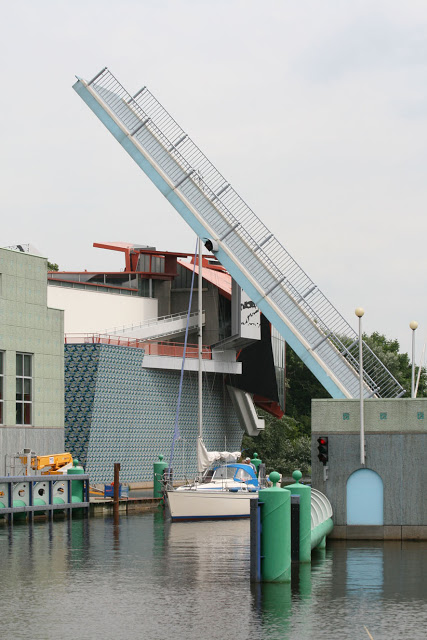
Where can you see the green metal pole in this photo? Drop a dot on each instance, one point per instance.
(256, 462)
(275, 532)
(77, 486)
(304, 493)
(158, 468)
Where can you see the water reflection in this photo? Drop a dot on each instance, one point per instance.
(365, 572)
(78, 544)
(276, 607)
(145, 577)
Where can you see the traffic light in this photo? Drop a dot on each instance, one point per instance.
(322, 449)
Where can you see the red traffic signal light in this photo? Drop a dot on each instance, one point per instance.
(322, 449)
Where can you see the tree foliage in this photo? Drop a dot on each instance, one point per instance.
(52, 266)
(302, 386)
(282, 446)
(397, 363)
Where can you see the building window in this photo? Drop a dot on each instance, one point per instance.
(1, 385)
(24, 388)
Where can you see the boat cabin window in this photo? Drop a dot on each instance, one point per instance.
(224, 473)
(207, 476)
(243, 475)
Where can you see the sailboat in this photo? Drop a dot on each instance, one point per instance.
(223, 492)
(223, 488)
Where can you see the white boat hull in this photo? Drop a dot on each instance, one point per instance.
(205, 505)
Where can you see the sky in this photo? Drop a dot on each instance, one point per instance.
(315, 112)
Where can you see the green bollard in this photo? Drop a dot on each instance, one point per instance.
(77, 486)
(158, 467)
(275, 532)
(256, 462)
(304, 493)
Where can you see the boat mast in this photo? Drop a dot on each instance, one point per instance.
(200, 349)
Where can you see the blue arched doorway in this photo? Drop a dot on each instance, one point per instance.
(365, 498)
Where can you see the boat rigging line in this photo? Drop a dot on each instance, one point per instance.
(176, 433)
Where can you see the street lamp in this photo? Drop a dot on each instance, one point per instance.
(359, 313)
(413, 325)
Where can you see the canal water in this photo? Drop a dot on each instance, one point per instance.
(150, 579)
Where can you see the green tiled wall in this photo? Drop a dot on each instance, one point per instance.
(118, 411)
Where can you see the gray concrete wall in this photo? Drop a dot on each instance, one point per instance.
(396, 449)
(43, 441)
(162, 290)
(179, 304)
(381, 416)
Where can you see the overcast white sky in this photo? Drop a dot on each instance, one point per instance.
(316, 112)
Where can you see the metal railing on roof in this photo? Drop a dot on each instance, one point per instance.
(277, 274)
(151, 348)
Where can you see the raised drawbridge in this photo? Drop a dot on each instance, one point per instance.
(249, 251)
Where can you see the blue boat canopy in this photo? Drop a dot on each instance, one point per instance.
(237, 469)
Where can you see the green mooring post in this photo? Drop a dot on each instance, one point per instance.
(77, 486)
(256, 462)
(275, 532)
(304, 492)
(158, 467)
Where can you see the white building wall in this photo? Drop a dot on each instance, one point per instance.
(95, 312)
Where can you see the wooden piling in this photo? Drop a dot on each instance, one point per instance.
(116, 490)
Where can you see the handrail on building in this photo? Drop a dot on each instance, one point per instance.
(151, 348)
(153, 321)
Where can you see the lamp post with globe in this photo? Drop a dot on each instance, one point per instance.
(359, 313)
(413, 325)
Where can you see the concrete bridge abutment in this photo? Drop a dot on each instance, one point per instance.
(387, 498)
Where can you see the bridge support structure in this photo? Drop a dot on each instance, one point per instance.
(286, 525)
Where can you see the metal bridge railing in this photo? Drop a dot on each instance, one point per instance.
(321, 508)
(237, 227)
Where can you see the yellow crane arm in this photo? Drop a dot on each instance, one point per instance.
(53, 462)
